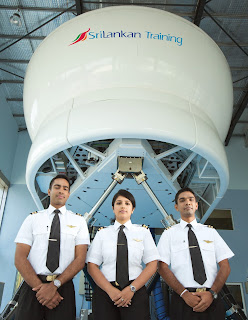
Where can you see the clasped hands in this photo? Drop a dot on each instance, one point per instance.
(47, 295)
(199, 301)
(121, 298)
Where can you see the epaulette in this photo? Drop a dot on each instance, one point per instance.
(78, 214)
(34, 212)
(101, 228)
(167, 228)
(209, 226)
(145, 226)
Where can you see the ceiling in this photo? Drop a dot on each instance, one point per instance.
(225, 21)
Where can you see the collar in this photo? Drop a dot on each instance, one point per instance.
(183, 224)
(51, 209)
(128, 225)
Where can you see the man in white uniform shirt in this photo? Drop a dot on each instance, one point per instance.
(46, 294)
(193, 299)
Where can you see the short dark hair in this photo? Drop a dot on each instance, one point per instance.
(59, 176)
(183, 190)
(126, 194)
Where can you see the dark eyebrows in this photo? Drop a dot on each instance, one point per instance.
(59, 185)
(183, 198)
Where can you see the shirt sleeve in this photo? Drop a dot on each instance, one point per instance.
(83, 233)
(222, 251)
(94, 253)
(164, 247)
(25, 234)
(150, 249)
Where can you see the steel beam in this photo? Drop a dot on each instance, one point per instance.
(199, 12)
(26, 8)
(92, 150)
(14, 99)
(14, 36)
(79, 7)
(183, 166)
(14, 61)
(168, 152)
(74, 163)
(42, 25)
(89, 216)
(169, 220)
(12, 81)
(15, 115)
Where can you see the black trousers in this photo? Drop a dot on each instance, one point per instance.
(29, 307)
(104, 308)
(181, 311)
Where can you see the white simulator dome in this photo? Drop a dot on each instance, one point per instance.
(129, 93)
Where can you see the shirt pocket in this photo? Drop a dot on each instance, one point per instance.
(109, 251)
(40, 236)
(135, 251)
(208, 252)
(68, 237)
(179, 253)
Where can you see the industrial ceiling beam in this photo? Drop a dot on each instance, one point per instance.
(17, 36)
(17, 115)
(12, 81)
(14, 99)
(26, 8)
(236, 117)
(79, 7)
(237, 44)
(10, 45)
(199, 12)
(14, 61)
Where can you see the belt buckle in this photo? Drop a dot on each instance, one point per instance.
(51, 278)
(200, 289)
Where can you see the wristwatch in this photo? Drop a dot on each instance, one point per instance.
(133, 289)
(214, 294)
(57, 283)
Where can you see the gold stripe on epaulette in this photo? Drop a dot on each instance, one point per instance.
(209, 226)
(34, 212)
(78, 214)
(100, 228)
(145, 226)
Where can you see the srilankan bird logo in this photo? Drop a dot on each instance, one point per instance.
(80, 37)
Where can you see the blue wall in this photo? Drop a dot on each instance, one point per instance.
(8, 138)
(237, 239)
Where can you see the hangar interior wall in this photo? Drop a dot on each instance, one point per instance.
(19, 204)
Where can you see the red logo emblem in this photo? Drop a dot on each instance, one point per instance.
(80, 37)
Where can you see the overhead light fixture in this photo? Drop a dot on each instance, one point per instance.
(16, 20)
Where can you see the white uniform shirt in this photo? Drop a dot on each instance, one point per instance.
(141, 247)
(173, 248)
(35, 232)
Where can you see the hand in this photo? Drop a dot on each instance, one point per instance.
(126, 298)
(45, 292)
(54, 302)
(114, 293)
(206, 299)
(191, 299)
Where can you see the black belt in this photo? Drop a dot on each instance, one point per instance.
(48, 278)
(197, 289)
(115, 284)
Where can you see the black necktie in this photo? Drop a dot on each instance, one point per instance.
(53, 251)
(196, 257)
(122, 276)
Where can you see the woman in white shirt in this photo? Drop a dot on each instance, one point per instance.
(120, 292)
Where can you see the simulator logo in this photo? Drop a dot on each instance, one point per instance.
(80, 37)
(161, 36)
